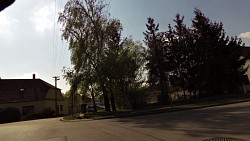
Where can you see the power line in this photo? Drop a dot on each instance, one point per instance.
(54, 49)
(57, 58)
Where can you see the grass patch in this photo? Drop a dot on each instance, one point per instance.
(73, 117)
(103, 113)
(212, 101)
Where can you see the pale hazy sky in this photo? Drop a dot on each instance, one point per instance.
(30, 39)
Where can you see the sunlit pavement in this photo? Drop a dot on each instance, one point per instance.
(222, 121)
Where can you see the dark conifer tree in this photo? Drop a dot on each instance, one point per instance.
(217, 56)
(202, 59)
(157, 60)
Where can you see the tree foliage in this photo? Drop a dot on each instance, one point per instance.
(157, 58)
(220, 56)
(201, 59)
(102, 60)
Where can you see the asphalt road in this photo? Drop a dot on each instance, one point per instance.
(222, 121)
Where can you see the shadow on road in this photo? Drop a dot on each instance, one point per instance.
(231, 120)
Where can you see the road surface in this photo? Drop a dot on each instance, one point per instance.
(221, 121)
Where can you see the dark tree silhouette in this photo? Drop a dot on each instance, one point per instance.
(5, 3)
(179, 43)
(217, 56)
(201, 59)
(158, 63)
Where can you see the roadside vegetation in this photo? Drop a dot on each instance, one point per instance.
(12, 114)
(9, 114)
(159, 108)
(172, 68)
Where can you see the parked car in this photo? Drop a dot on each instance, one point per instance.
(90, 109)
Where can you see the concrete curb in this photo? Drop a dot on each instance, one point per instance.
(75, 120)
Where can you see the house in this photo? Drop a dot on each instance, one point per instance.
(245, 52)
(31, 96)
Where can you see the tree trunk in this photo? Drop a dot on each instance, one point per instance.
(164, 96)
(106, 99)
(190, 94)
(112, 101)
(72, 102)
(184, 93)
(125, 92)
(124, 102)
(93, 99)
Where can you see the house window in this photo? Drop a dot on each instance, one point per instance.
(21, 92)
(27, 110)
(61, 107)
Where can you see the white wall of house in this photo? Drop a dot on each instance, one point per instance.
(246, 87)
(248, 70)
(62, 106)
(50, 101)
(51, 94)
(40, 106)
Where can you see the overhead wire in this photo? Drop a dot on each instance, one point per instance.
(61, 44)
(62, 47)
(56, 57)
(53, 43)
(59, 47)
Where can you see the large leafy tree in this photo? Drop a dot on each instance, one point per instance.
(132, 68)
(84, 25)
(123, 68)
(101, 59)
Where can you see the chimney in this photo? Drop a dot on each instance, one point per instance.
(34, 76)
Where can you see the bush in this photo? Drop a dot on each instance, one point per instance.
(73, 117)
(47, 113)
(10, 114)
(138, 98)
(29, 117)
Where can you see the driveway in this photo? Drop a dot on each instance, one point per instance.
(221, 121)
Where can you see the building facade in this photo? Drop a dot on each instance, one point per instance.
(31, 96)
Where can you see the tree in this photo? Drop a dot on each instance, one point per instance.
(100, 59)
(204, 59)
(218, 56)
(5, 3)
(132, 66)
(179, 41)
(201, 59)
(158, 60)
(84, 26)
(122, 66)
(72, 78)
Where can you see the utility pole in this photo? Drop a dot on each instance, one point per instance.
(56, 78)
